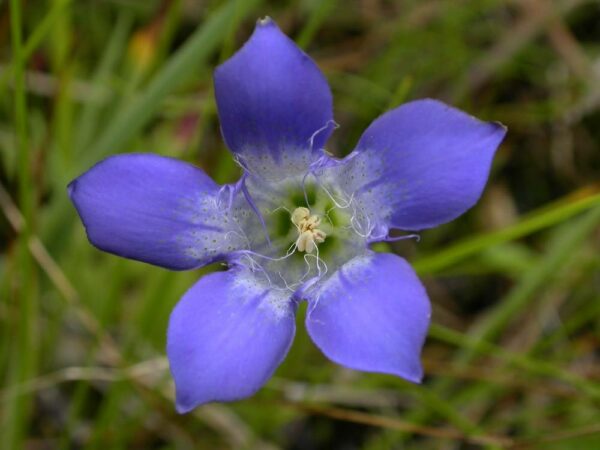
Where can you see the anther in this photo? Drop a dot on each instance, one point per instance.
(308, 233)
(299, 215)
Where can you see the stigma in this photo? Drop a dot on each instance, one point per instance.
(309, 235)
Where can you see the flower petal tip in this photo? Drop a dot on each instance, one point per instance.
(416, 378)
(188, 398)
(265, 21)
(497, 134)
(71, 187)
(500, 127)
(413, 374)
(182, 406)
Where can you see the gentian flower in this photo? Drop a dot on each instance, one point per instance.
(296, 226)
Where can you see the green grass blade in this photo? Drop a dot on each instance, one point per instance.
(534, 366)
(23, 358)
(37, 37)
(559, 250)
(318, 15)
(549, 216)
(181, 67)
(91, 111)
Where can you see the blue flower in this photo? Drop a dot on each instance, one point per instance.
(296, 226)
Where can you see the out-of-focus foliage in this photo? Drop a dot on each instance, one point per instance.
(512, 357)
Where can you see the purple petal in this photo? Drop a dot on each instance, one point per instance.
(226, 337)
(153, 209)
(272, 100)
(422, 164)
(372, 315)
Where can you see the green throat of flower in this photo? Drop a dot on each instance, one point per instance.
(309, 222)
(310, 234)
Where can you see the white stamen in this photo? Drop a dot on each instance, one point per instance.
(308, 233)
(299, 215)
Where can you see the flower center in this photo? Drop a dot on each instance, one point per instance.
(309, 235)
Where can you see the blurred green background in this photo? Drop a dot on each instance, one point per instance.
(512, 358)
